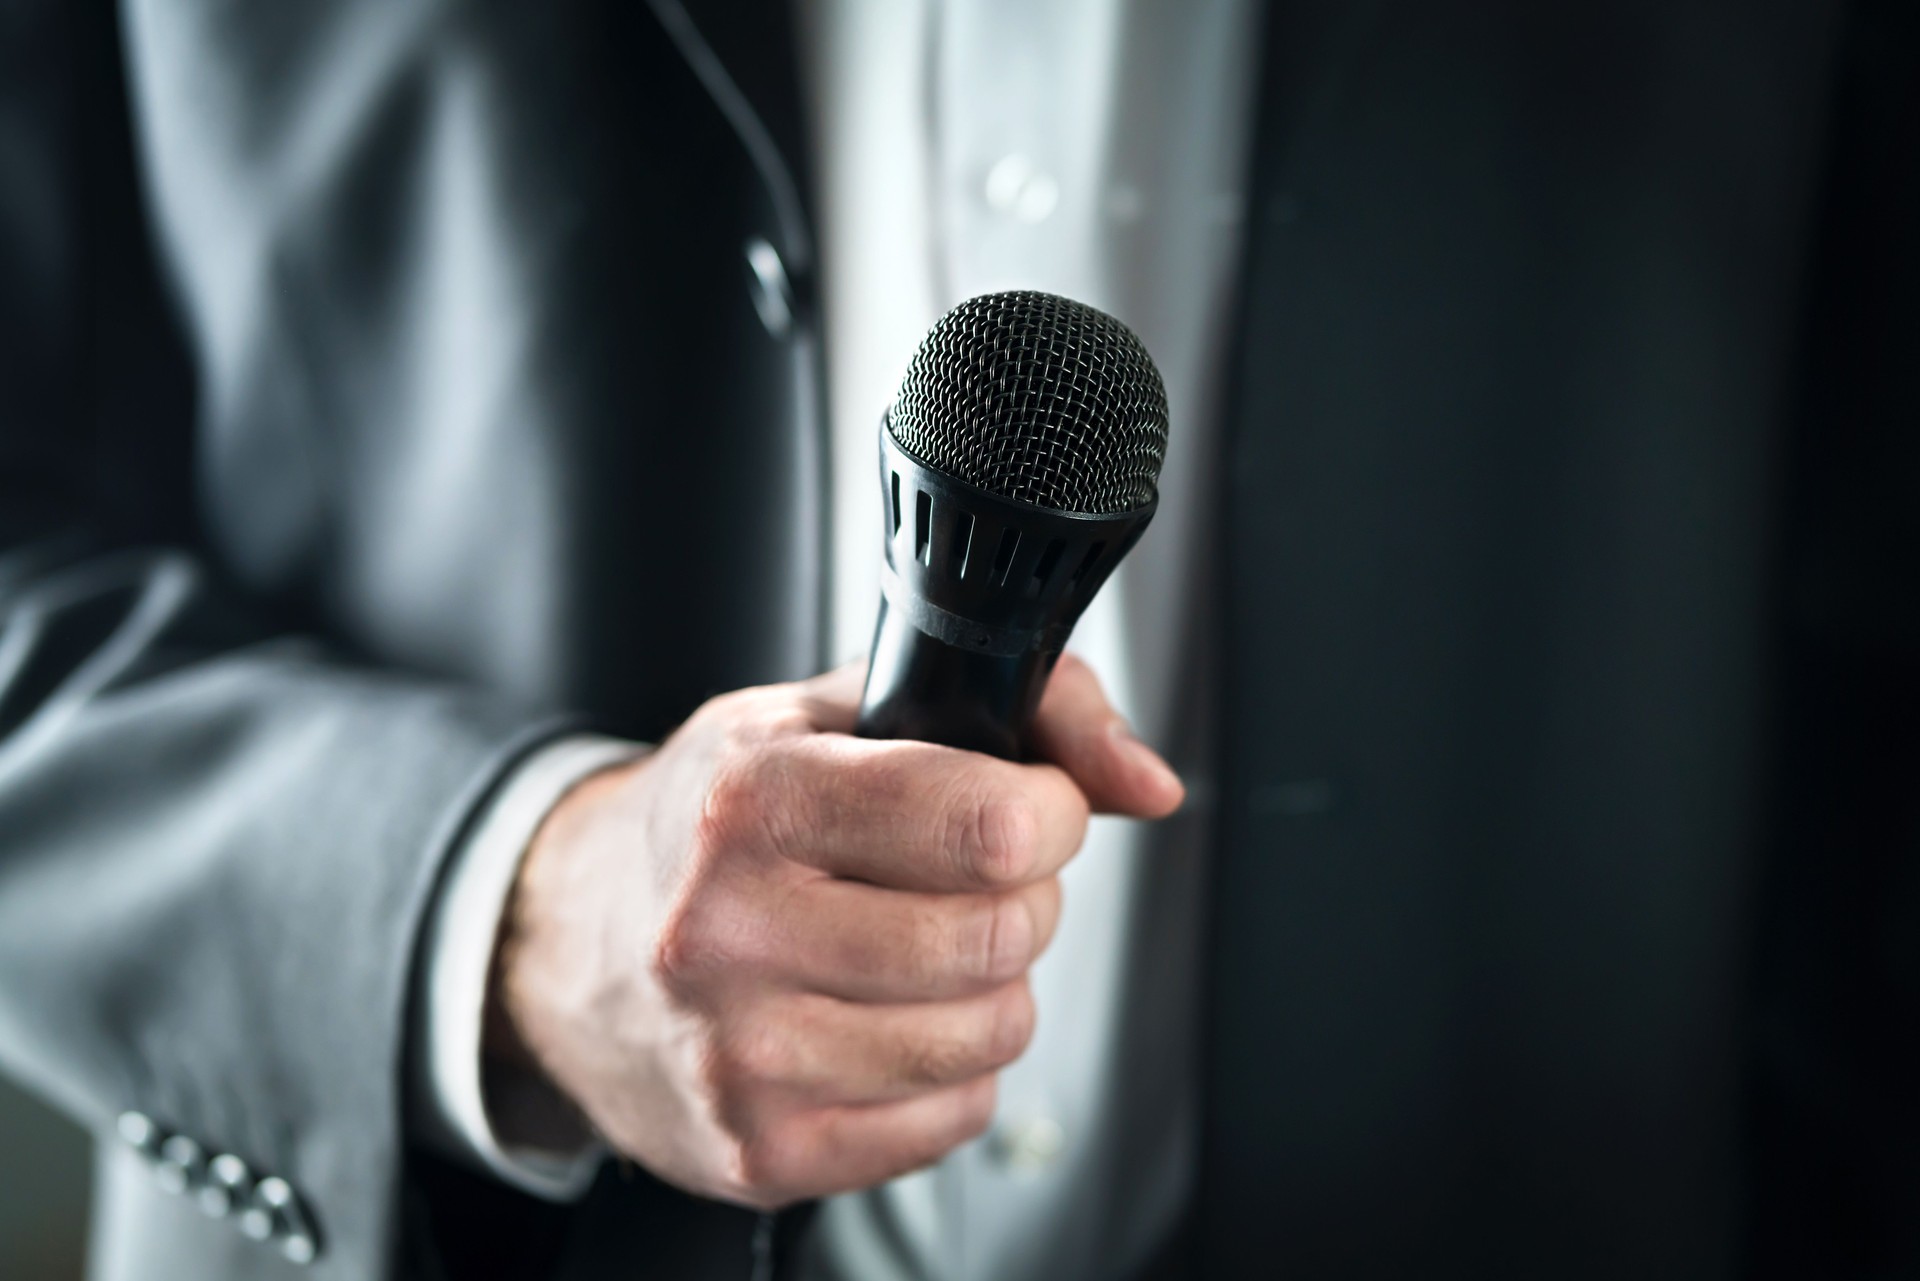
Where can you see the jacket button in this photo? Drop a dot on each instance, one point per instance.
(182, 1165)
(298, 1247)
(256, 1222)
(227, 1185)
(137, 1131)
(276, 1212)
(769, 287)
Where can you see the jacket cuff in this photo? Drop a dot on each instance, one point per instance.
(451, 1092)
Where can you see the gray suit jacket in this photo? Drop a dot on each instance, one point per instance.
(1563, 921)
(379, 380)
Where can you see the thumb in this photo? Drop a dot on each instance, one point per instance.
(1077, 729)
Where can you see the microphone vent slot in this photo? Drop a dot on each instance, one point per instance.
(962, 545)
(1087, 562)
(1003, 558)
(922, 526)
(1044, 567)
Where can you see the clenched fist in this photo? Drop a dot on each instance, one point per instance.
(773, 961)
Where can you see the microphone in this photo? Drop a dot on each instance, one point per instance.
(1019, 464)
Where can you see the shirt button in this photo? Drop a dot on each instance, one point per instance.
(1019, 189)
(1029, 1146)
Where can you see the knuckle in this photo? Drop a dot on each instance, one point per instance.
(737, 796)
(996, 944)
(765, 1169)
(727, 813)
(747, 805)
(936, 1059)
(685, 950)
(930, 948)
(748, 1058)
(1000, 840)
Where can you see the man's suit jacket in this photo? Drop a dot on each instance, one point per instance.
(386, 391)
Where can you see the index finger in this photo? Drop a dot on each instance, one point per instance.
(1079, 730)
(918, 816)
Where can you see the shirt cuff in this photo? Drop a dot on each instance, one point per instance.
(456, 959)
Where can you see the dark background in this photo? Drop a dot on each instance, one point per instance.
(43, 1191)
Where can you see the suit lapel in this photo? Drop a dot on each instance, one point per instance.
(745, 53)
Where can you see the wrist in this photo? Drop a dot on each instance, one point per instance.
(524, 1096)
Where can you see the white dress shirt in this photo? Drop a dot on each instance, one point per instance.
(1093, 148)
(457, 958)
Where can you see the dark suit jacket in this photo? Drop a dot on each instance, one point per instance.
(384, 390)
(1566, 914)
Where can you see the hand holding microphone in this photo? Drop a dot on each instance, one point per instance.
(777, 959)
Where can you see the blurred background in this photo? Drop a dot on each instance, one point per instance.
(43, 1191)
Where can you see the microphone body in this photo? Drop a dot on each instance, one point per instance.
(1018, 465)
(978, 596)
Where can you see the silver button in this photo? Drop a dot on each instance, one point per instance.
(767, 282)
(261, 1218)
(1030, 1145)
(139, 1132)
(227, 1185)
(1020, 189)
(289, 1222)
(182, 1165)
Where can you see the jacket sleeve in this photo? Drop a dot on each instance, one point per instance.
(217, 832)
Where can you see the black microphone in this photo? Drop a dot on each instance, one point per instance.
(1018, 464)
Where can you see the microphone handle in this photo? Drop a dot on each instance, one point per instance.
(921, 688)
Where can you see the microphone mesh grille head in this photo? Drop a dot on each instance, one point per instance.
(1039, 399)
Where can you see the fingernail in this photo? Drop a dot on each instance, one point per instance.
(1145, 757)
